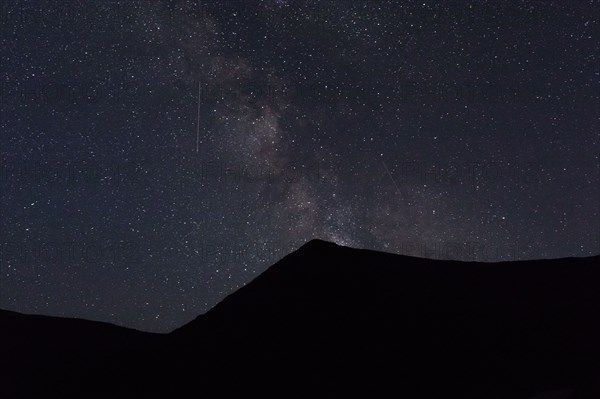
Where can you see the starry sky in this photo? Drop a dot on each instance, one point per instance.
(157, 155)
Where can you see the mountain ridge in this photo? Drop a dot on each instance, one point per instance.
(327, 318)
(312, 245)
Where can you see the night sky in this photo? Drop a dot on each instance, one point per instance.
(157, 155)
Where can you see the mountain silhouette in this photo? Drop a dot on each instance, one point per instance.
(331, 321)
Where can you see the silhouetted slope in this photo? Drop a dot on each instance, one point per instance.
(339, 314)
(331, 282)
(330, 321)
(46, 356)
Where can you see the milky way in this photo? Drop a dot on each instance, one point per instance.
(157, 155)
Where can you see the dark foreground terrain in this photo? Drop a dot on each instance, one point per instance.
(330, 321)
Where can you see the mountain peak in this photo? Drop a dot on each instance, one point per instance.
(319, 243)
